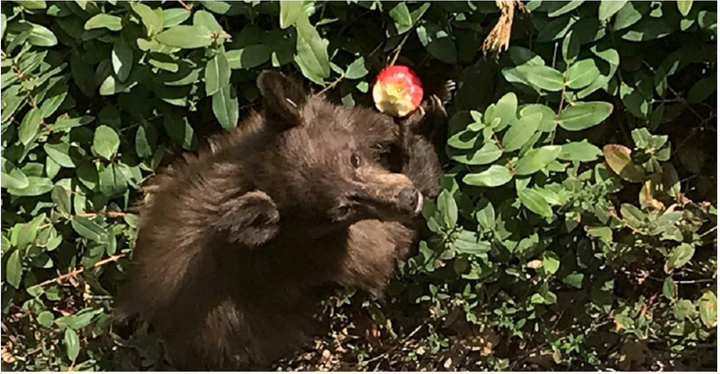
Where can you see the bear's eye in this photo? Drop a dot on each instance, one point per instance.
(355, 160)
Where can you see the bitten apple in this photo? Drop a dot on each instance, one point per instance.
(397, 91)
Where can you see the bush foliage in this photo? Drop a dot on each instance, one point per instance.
(577, 224)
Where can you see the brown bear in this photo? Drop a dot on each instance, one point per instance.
(236, 247)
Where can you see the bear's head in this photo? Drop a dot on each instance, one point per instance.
(325, 164)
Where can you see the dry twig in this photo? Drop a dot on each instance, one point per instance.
(73, 273)
(499, 37)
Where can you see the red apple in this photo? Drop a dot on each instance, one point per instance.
(397, 91)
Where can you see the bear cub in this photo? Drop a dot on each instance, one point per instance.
(236, 247)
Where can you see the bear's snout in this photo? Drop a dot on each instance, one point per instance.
(410, 200)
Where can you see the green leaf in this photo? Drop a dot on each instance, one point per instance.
(29, 126)
(54, 98)
(668, 288)
(702, 89)
(679, 256)
(551, 262)
(112, 85)
(111, 180)
(142, 145)
(225, 107)
(12, 177)
(313, 59)
(60, 153)
(707, 21)
(356, 69)
(103, 20)
(536, 159)
(230, 8)
(684, 309)
(14, 269)
(187, 37)
(494, 176)
(542, 77)
(89, 229)
(684, 6)
(67, 124)
(556, 29)
(671, 179)
(72, 344)
(217, 74)
(249, 57)
(582, 73)
(36, 187)
(438, 42)
(404, 19)
(558, 8)
(522, 56)
(547, 123)
(649, 29)
(485, 214)
(463, 140)
(487, 154)
(61, 197)
(206, 19)
(632, 215)
(584, 115)
(520, 132)
(579, 151)
(401, 15)
(289, 12)
(570, 47)
(122, 59)
(532, 200)
(505, 109)
(80, 320)
(27, 232)
(51, 168)
(574, 279)
(175, 16)
(3, 25)
(707, 304)
(45, 318)
(469, 242)
(164, 62)
(32, 5)
(630, 14)
(39, 36)
(448, 208)
(608, 8)
(105, 142)
(151, 20)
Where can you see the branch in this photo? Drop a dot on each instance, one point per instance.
(73, 273)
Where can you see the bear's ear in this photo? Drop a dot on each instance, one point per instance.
(282, 99)
(251, 219)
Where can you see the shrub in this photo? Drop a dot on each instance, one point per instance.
(577, 224)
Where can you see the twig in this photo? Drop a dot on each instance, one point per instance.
(692, 133)
(73, 273)
(714, 228)
(185, 5)
(331, 85)
(110, 214)
(398, 49)
(560, 106)
(685, 281)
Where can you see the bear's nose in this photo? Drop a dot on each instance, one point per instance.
(410, 199)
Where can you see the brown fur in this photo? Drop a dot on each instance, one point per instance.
(237, 246)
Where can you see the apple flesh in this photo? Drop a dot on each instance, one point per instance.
(397, 91)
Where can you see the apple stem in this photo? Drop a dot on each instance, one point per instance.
(398, 49)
